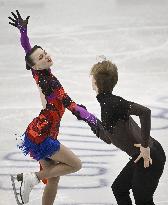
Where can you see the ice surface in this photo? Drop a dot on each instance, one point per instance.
(131, 33)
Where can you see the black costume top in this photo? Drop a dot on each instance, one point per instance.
(123, 130)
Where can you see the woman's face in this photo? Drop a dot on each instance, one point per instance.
(94, 86)
(41, 59)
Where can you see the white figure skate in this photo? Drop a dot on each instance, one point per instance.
(28, 181)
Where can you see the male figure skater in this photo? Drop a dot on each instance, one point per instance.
(143, 171)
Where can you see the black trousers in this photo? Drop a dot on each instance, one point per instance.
(142, 181)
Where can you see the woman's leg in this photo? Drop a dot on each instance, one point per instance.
(50, 191)
(51, 187)
(68, 163)
(65, 162)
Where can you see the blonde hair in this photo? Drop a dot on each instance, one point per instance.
(105, 74)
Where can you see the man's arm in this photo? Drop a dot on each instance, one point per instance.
(144, 115)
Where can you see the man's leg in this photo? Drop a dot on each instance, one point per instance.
(123, 184)
(145, 180)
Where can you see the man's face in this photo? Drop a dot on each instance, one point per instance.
(94, 86)
(41, 59)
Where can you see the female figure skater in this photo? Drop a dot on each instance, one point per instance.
(142, 172)
(40, 137)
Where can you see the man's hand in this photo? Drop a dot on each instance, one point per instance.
(17, 21)
(145, 154)
(100, 132)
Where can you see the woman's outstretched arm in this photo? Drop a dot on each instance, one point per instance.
(49, 86)
(17, 21)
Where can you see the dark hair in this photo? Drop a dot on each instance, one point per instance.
(28, 59)
(106, 75)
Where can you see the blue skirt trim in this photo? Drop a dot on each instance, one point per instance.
(39, 151)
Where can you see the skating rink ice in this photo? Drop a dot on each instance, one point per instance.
(131, 33)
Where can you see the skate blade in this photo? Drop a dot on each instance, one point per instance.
(13, 178)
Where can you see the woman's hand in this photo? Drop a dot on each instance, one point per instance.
(145, 154)
(17, 21)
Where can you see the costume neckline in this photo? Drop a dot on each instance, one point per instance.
(103, 95)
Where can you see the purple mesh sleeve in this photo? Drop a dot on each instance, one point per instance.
(24, 39)
(84, 114)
